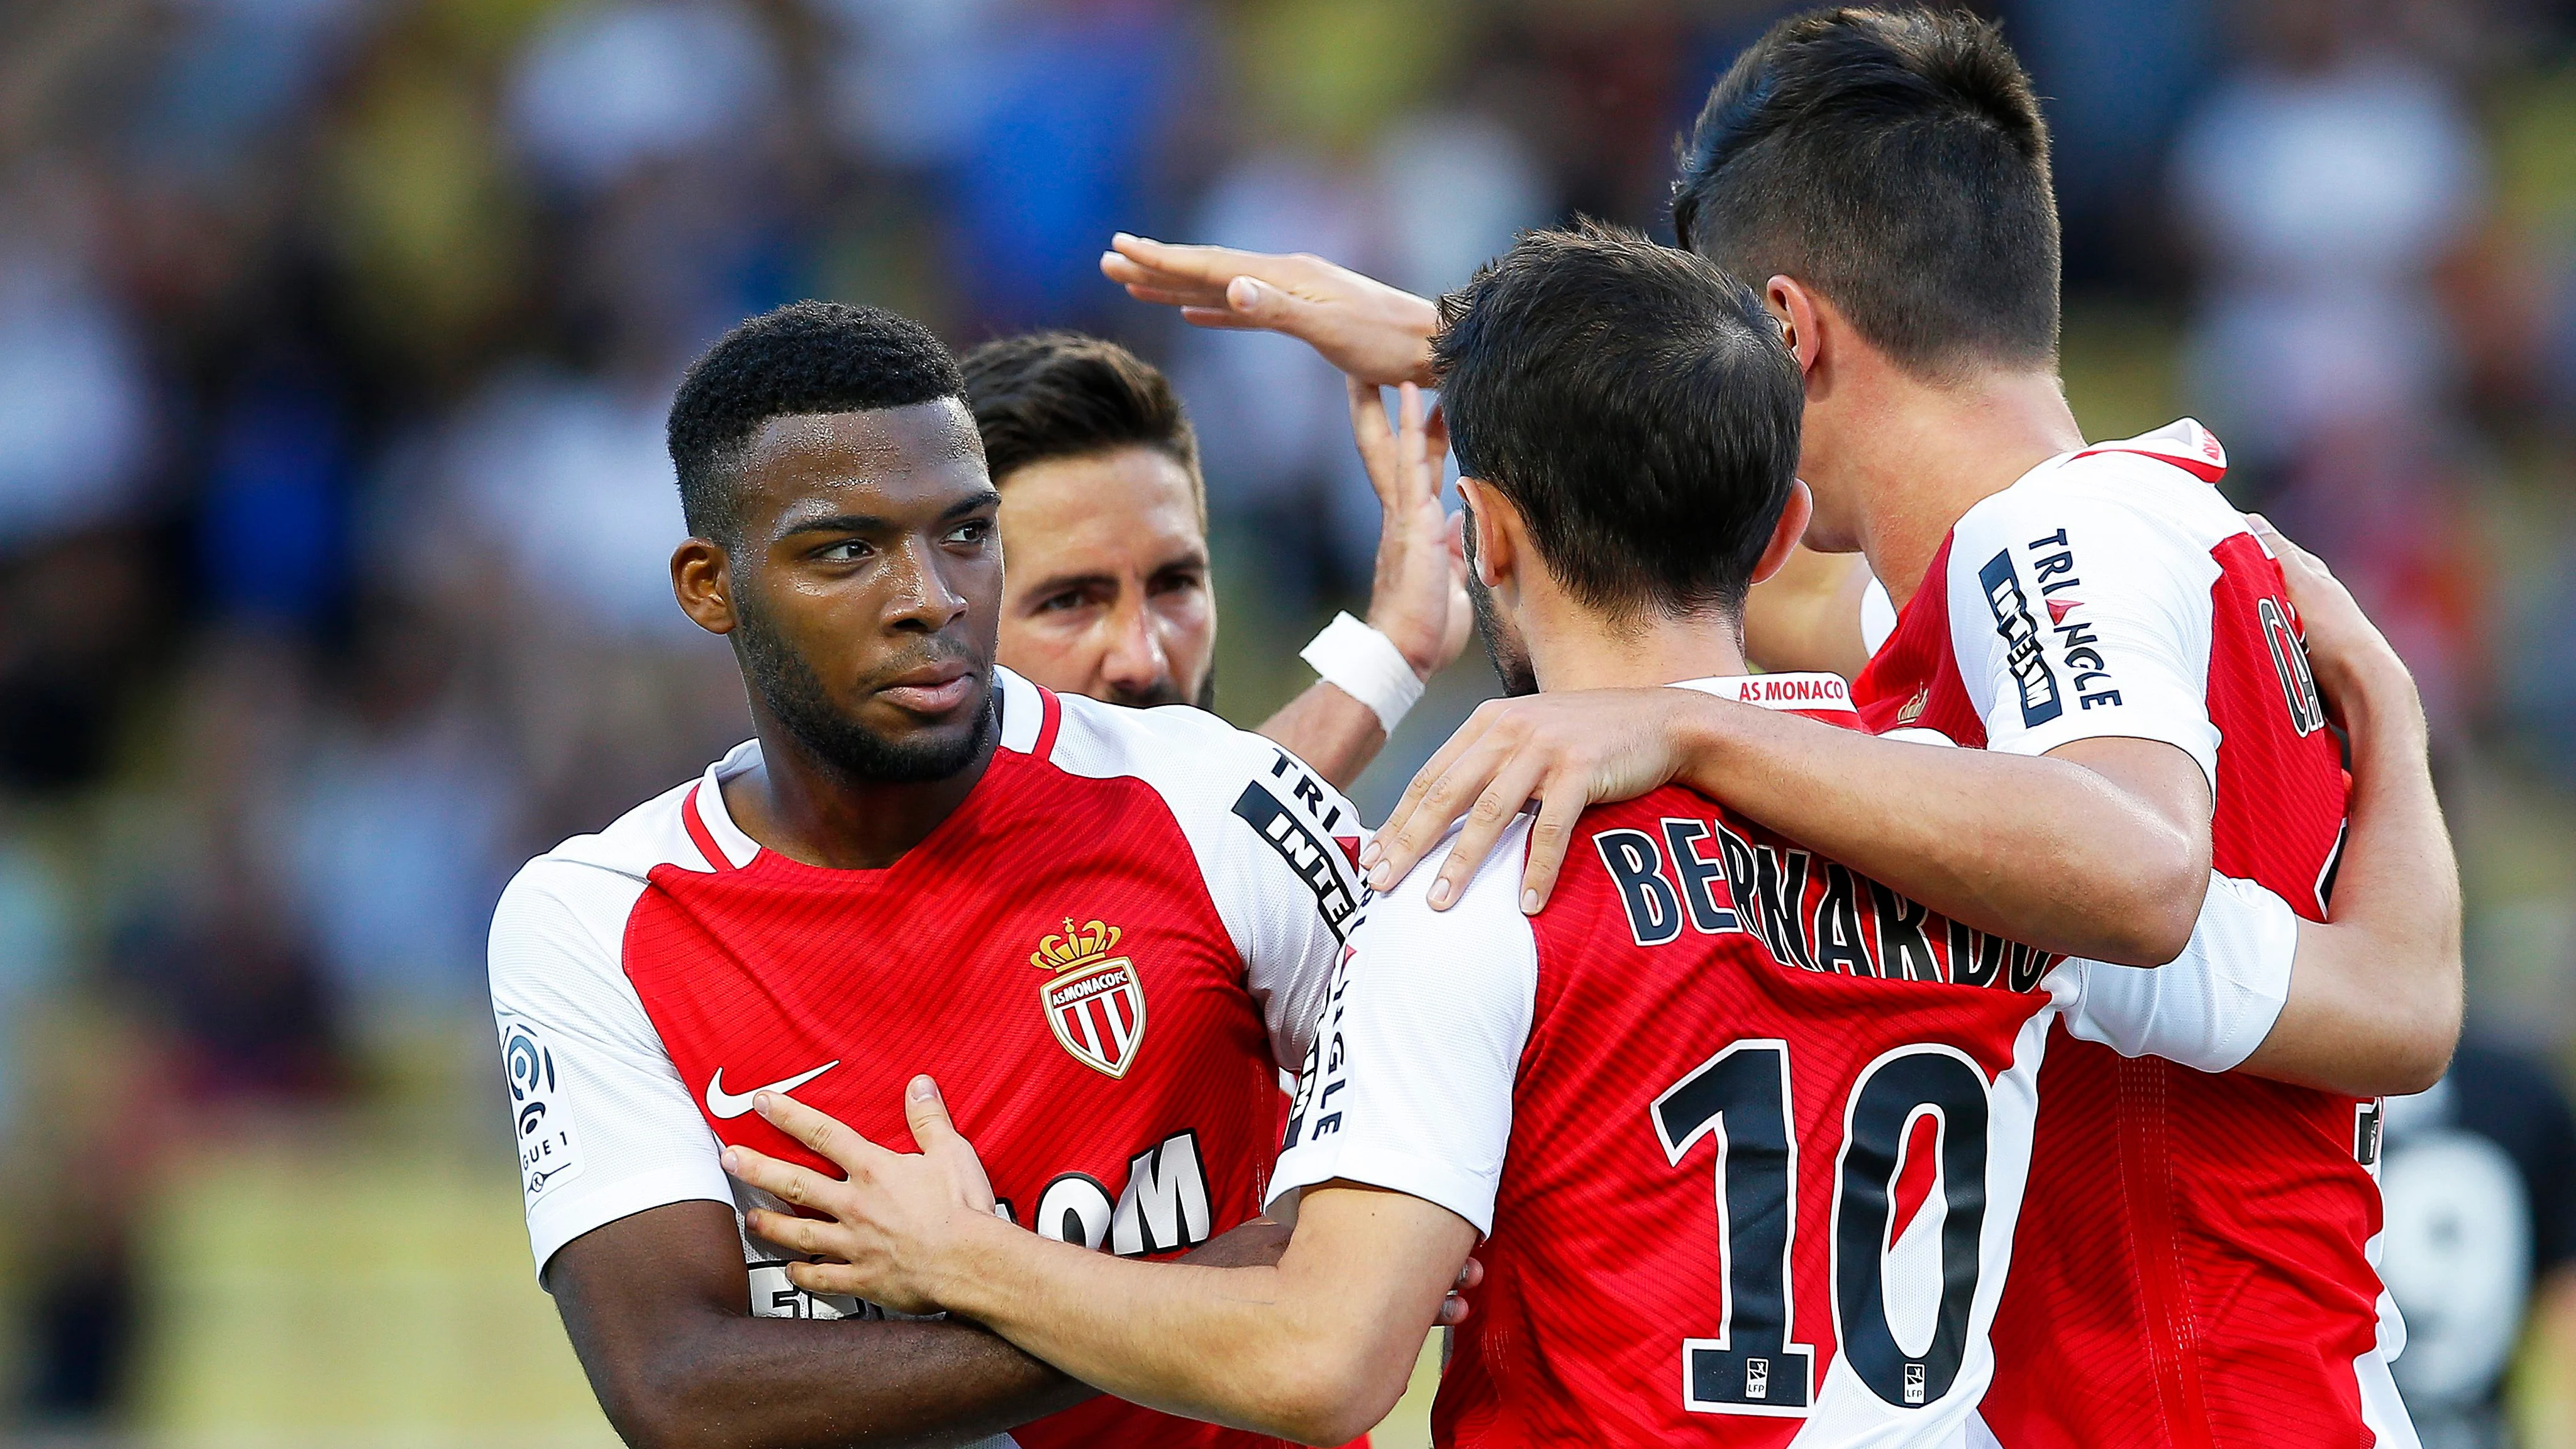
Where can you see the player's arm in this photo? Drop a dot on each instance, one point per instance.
(2375, 995)
(1315, 1348)
(1418, 614)
(657, 1309)
(2084, 829)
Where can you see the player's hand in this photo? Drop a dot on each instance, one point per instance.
(1419, 597)
(887, 1222)
(1565, 751)
(1363, 326)
(2346, 652)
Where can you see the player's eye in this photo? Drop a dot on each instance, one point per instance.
(972, 531)
(1178, 580)
(848, 550)
(1062, 603)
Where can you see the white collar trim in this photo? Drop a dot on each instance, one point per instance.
(1804, 692)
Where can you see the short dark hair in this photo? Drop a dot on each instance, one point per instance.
(1895, 161)
(807, 357)
(1047, 395)
(1635, 403)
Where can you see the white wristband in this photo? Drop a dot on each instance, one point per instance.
(1367, 666)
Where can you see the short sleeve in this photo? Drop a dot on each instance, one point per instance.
(1298, 893)
(2208, 1008)
(2076, 614)
(1408, 1084)
(604, 1127)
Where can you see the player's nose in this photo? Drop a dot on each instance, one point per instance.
(1135, 660)
(922, 596)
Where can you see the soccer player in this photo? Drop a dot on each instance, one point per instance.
(2194, 1267)
(1108, 930)
(1104, 515)
(1742, 1130)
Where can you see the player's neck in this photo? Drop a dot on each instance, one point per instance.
(1579, 649)
(802, 807)
(1933, 451)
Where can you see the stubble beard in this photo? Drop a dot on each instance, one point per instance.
(795, 696)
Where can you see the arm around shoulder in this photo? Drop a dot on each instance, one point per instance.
(2375, 996)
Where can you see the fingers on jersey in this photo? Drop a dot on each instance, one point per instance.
(1409, 830)
(1487, 773)
(940, 1141)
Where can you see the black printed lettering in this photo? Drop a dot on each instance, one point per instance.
(1636, 867)
(1839, 947)
(1697, 873)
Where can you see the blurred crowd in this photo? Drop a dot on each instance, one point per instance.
(336, 338)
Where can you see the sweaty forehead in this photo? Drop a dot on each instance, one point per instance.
(805, 453)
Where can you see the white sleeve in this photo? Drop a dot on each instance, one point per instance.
(2207, 1008)
(605, 1129)
(1409, 1084)
(1302, 892)
(2075, 615)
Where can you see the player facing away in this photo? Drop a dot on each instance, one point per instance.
(1742, 1130)
(1105, 515)
(1107, 928)
(2195, 1264)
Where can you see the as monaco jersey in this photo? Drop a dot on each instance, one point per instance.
(2192, 1267)
(1104, 956)
(1745, 1130)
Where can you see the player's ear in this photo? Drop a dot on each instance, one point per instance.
(1489, 543)
(702, 580)
(1786, 533)
(1797, 310)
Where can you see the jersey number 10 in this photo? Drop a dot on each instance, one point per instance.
(1741, 1096)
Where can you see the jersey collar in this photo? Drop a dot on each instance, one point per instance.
(2184, 443)
(1817, 694)
(738, 847)
(1022, 713)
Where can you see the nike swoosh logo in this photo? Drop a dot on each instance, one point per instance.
(724, 1105)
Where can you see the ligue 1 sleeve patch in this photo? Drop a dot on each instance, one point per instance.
(540, 1111)
(1095, 1002)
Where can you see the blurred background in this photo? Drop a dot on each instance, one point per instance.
(335, 340)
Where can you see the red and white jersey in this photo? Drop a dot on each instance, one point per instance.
(1745, 1131)
(2194, 1264)
(1104, 956)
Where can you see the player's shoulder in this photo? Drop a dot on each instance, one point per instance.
(2154, 491)
(601, 872)
(1199, 764)
(1217, 782)
(653, 833)
(1486, 915)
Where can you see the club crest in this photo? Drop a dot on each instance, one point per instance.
(1094, 1002)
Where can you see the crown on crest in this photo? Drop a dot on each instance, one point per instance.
(1078, 946)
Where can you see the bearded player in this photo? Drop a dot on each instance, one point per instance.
(1742, 1131)
(1107, 928)
(2195, 1266)
(1104, 513)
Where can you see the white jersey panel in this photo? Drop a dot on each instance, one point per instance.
(2208, 1008)
(2080, 604)
(1265, 828)
(1408, 1085)
(605, 1127)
